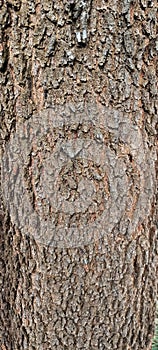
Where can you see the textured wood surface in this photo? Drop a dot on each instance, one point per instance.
(94, 64)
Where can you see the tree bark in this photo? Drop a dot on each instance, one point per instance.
(79, 97)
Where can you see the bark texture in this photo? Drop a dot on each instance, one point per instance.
(74, 54)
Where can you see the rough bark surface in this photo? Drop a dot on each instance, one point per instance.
(72, 54)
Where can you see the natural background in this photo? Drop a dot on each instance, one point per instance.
(75, 53)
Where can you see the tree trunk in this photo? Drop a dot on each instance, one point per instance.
(78, 191)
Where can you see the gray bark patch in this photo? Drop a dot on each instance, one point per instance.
(72, 173)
